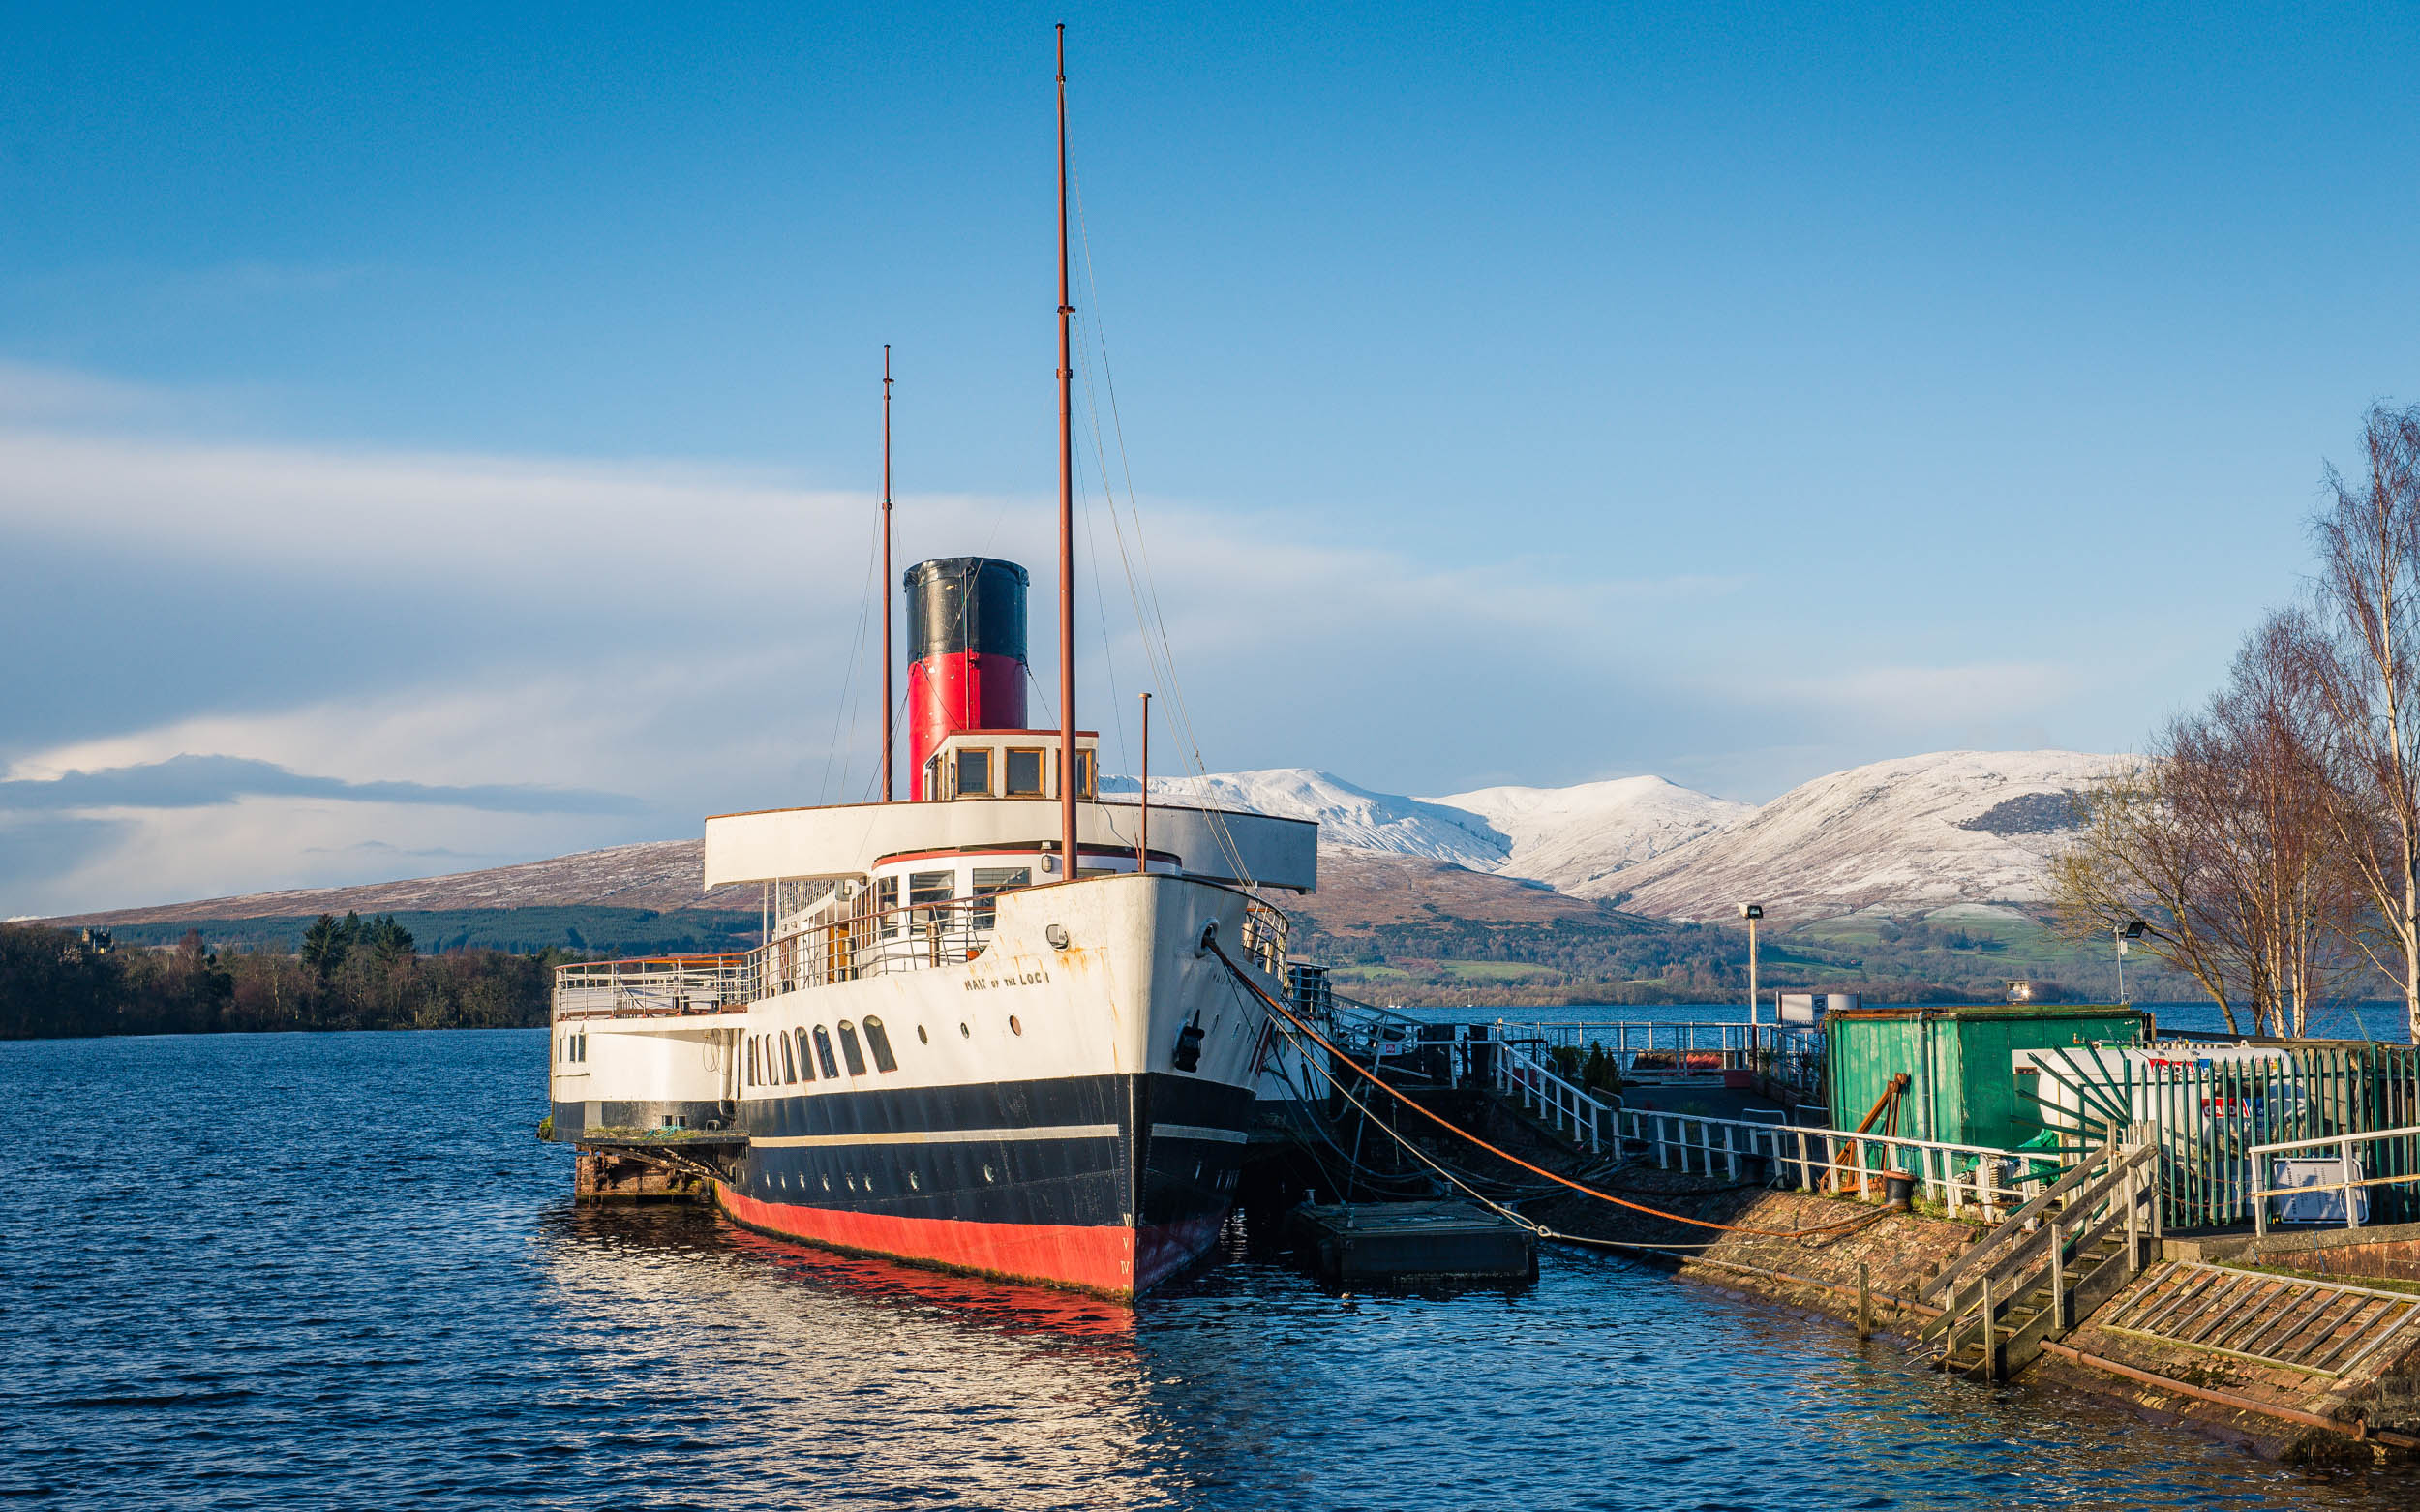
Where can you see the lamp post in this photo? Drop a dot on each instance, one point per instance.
(2122, 935)
(1751, 912)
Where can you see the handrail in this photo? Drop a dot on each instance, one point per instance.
(1844, 1153)
(2015, 1243)
(2262, 1157)
(2024, 1215)
(1542, 1088)
(2040, 1238)
(835, 946)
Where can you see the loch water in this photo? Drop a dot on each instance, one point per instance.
(337, 1271)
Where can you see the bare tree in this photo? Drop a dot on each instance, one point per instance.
(2369, 537)
(2140, 859)
(2257, 762)
(2223, 842)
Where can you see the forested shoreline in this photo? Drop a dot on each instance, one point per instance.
(350, 974)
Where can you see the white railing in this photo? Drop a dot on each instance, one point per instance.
(1650, 1050)
(2265, 1157)
(657, 986)
(914, 937)
(1957, 1176)
(1545, 1093)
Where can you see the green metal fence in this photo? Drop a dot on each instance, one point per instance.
(2211, 1104)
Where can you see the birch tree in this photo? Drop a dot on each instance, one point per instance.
(2369, 539)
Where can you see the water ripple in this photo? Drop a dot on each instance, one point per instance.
(306, 1271)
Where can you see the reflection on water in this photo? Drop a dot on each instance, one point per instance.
(312, 1271)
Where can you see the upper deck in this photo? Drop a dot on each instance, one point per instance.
(849, 840)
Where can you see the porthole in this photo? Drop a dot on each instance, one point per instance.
(914, 1185)
(922, 1038)
(828, 1183)
(988, 1172)
(852, 1181)
(1014, 1026)
(965, 1033)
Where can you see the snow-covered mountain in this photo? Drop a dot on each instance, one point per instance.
(1351, 817)
(1910, 836)
(1907, 835)
(1916, 834)
(1574, 838)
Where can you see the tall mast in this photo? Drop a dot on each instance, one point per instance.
(886, 572)
(1067, 515)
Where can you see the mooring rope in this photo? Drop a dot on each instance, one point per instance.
(1450, 1127)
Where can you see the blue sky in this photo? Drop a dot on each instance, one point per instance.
(484, 400)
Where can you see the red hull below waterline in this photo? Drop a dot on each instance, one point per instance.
(1110, 1259)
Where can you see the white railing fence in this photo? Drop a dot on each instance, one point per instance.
(1965, 1179)
(1962, 1178)
(2346, 1182)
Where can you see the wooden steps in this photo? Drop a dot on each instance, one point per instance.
(2055, 1261)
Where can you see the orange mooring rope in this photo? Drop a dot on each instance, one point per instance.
(1404, 1098)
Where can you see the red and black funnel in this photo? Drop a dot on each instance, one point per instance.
(966, 652)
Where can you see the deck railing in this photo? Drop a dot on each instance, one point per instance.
(911, 937)
(657, 986)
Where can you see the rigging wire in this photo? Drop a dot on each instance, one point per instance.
(1400, 1096)
(850, 712)
(1151, 619)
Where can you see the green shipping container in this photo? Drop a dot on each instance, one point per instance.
(1960, 1064)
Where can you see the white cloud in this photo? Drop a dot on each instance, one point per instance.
(682, 635)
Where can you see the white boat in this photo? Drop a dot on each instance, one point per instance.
(956, 1048)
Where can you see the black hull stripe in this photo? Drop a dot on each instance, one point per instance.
(1079, 1172)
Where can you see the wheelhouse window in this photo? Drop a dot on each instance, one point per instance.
(849, 1050)
(789, 1068)
(823, 1054)
(751, 1060)
(1023, 774)
(1085, 774)
(974, 773)
(806, 1066)
(878, 1040)
(990, 880)
(932, 777)
(887, 905)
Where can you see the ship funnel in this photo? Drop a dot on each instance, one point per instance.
(966, 652)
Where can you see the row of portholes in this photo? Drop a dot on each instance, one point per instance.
(780, 1059)
(572, 1046)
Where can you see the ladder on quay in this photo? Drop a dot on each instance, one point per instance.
(2053, 1263)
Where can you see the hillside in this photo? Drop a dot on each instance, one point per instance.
(1905, 837)
(660, 876)
(1573, 838)
(1349, 817)
(1895, 878)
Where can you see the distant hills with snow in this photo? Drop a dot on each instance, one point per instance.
(1910, 836)
(1904, 838)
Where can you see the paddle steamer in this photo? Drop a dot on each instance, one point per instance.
(995, 1025)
